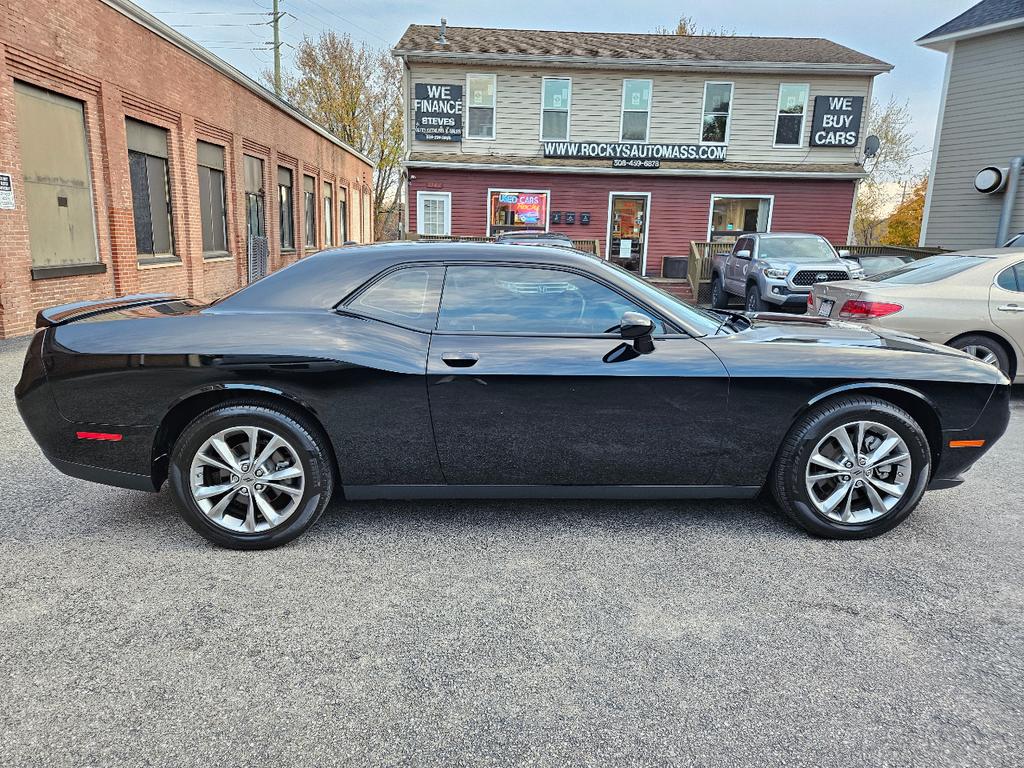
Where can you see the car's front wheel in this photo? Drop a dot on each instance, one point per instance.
(248, 476)
(754, 301)
(719, 298)
(852, 468)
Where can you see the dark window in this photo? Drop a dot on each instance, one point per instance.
(309, 209)
(328, 214)
(1012, 278)
(211, 197)
(255, 197)
(286, 214)
(406, 297)
(929, 270)
(343, 213)
(528, 300)
(151, 190)
(789, 123)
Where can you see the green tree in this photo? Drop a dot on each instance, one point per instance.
(355, 92)
(904, 225)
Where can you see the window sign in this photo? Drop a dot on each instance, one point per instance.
(438, 112)
(509, 211)
(836, 121)
(636, 109)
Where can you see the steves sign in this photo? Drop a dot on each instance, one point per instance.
(600, 150)
(836, 121)
(438, 112)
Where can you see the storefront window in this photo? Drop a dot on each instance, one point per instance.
(481, 90)
(735, 216)
(510, 211)
(628, 231)
(717, 103)
(789, 124)
(636, 109)
(555, 115)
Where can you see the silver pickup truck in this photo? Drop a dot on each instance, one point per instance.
(777, 269)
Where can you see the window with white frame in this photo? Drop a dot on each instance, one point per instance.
(433, 213)
(717, 105)
(480, 103)
(789, 122)
(554, 121)
(636, 109)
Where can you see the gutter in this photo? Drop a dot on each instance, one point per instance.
(175, 38)
(943, 42)
(615, 63)
(442, 165)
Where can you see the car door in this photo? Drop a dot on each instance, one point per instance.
(1006, 303)
(738, 266)
(528, 384)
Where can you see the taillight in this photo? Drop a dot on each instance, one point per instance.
(862, 310)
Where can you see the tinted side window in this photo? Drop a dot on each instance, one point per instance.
(1007, 279)
(408, 296)
(745, 244)
(528, 300)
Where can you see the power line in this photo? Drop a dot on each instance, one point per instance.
(347, 21)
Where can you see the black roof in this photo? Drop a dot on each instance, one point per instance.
(984, 14)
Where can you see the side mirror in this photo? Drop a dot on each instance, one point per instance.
(845, 254)
(743, 254)
(638, 328)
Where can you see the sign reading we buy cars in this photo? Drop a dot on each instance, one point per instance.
(438, 111)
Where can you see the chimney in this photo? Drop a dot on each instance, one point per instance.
(441, 39)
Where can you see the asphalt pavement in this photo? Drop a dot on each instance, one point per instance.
(507, 633)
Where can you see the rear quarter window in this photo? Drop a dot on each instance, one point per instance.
(408, 296)
(929, 270)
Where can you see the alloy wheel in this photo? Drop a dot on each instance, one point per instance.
(858, 472)
(247, 479)
(984, 354)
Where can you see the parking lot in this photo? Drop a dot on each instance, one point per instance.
(507, 633)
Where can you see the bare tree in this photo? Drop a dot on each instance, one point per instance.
(688, 27)
(892, 124)
(355, 93)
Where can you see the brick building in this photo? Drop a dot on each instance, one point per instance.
(642, 142)
(140, 162)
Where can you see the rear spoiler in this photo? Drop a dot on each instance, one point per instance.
(68, 313)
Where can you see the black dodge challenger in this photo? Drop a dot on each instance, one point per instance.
(415, 370)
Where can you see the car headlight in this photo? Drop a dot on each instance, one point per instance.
(775, 273)
(857, 274)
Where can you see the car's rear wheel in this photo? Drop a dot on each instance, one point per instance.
(852, 468)
(984, 348)
(754, 301)
(719, 298)
(248, 476)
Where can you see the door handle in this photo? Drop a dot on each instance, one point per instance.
(460, 359)
(1010, 308)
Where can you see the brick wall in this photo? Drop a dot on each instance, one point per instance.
(117, 68)
(679, 210)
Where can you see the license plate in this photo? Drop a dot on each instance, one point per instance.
(825, 308)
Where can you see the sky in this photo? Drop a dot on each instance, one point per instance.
(236, 30)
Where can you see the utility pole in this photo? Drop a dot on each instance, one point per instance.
(277, 47)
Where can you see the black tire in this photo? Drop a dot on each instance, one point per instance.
(787, 480)
(312, 453)
(754, 302)
(980, 344)
(719, 298)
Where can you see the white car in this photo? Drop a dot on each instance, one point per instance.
(972, 301)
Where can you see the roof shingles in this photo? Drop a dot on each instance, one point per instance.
(423, 39)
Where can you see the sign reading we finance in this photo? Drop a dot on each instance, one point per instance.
(438, 112)
(836, 121)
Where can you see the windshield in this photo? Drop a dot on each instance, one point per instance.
(795, 249)
(929, 270)
(701, 322)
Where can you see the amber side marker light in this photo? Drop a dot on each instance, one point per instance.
(112, 437)
(966, 443)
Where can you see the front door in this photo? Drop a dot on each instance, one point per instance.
(526, 388)
(627, 230)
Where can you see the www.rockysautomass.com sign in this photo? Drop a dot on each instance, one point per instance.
(601, 150)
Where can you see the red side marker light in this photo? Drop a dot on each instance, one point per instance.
(862, 310)
(112, 437)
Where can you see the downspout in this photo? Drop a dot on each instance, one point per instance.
(1009, 198)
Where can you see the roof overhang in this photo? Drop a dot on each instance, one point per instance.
(606, 171)
(945, 42)
(175, 38)
(588, 62)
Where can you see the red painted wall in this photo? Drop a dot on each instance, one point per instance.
(679, 211)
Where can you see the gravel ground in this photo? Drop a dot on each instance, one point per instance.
(500, 633)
